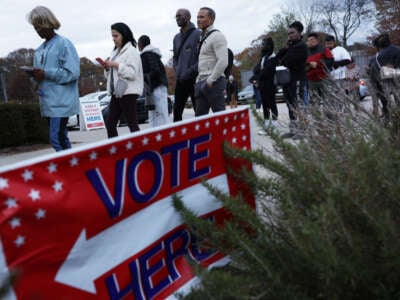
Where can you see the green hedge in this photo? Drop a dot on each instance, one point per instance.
(21, 124)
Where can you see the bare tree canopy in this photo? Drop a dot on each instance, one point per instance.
(344, 17)
(305, 11)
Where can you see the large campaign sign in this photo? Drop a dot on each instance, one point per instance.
(97, 222)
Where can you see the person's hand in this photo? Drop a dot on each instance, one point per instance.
(313, 64)
(38, 74)
(209, 84)
(110, 64)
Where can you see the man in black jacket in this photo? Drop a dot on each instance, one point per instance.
(294, 57)
(389, 56)
(156, 82)
(185, 61)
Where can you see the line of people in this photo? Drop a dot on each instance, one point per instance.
(200, 60)
(314, 68)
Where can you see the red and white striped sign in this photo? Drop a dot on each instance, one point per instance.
(98, 222)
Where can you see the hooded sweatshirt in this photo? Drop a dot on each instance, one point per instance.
(153, 68)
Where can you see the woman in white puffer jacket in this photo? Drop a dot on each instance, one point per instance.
(124, 75)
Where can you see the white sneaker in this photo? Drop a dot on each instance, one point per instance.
(262, 132)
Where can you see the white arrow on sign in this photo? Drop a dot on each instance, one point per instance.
(91, 258)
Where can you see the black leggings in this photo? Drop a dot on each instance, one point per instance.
(268, 101)
(125, 105)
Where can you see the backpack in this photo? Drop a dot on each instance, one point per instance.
(228, 69)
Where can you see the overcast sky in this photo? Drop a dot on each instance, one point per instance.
(87, 22)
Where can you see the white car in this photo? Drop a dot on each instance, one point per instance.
(73, 121)
(245, 95)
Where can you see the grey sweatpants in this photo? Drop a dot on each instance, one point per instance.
(212, 97)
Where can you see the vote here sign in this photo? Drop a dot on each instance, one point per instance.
(91, 116)
(97, 222)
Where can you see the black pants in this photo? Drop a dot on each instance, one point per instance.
(382, 97)
(268, 101)
(125, 105)
(290, 94)
(183, 90)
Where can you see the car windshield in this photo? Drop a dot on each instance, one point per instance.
(247, 89)
(98, 95)
(101, 96)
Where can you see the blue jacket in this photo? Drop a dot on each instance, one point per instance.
(58, 92)
(185, 64)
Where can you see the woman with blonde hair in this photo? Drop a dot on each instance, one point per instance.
(56, 69)
(124, 79)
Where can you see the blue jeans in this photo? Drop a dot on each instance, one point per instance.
(58, 133)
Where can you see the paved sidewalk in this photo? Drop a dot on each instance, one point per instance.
(85, 137)
(78, 138)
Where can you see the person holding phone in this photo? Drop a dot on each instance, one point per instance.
(56, 69)
(124, 74)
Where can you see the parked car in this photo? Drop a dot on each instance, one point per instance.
(142, 113)
(73, 121)
(245, 95)
(279, 97)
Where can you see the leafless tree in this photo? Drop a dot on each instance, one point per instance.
(305, 11)
(344, 17)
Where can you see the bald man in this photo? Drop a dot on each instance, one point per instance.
(185, 61)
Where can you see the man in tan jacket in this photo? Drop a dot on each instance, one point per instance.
(213, 59)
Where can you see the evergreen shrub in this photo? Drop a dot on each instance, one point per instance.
(327, 224)
(21, 124)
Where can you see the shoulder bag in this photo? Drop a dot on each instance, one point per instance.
(387, 72)
(282, 76)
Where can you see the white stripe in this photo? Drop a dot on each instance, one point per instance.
(5, 274)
